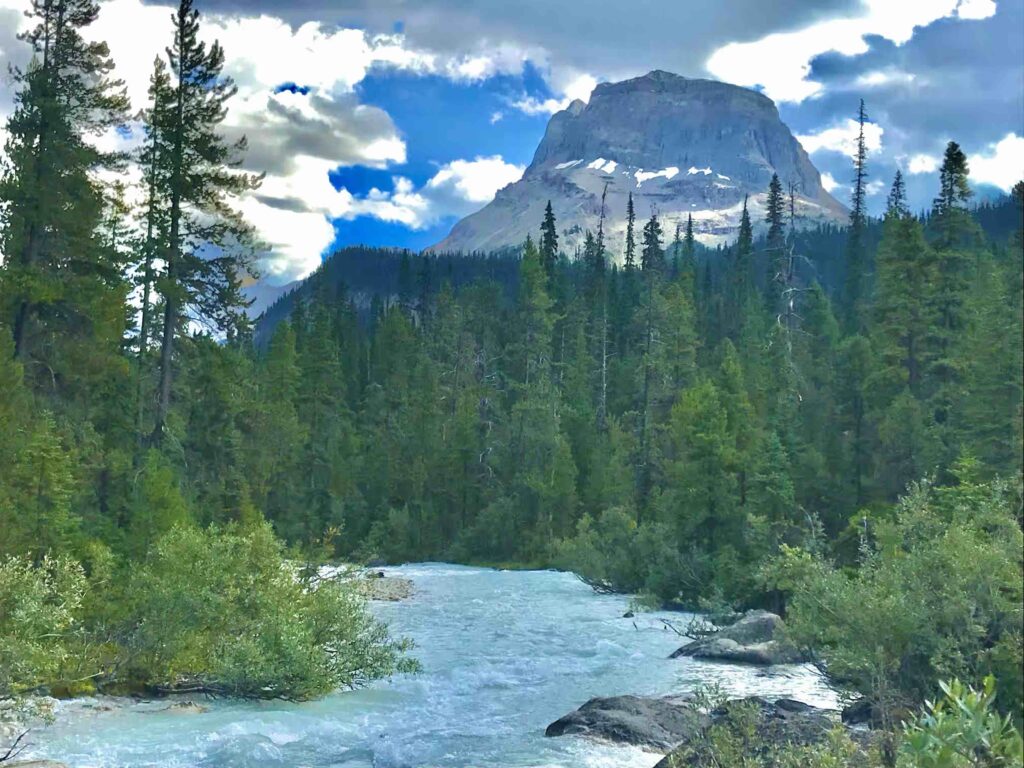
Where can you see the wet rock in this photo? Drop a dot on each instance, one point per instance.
(759, 637)
(647, 722)
(628, 615)
(383, 587)
(186, 708)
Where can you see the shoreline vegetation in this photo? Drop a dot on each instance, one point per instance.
(825, 423)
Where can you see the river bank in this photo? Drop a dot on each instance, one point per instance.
(504, 654)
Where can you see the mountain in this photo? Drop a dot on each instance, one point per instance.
(681, 146)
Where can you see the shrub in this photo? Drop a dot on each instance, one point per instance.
(221, 611)
(939, 595)
(962, 730)
(39, 607)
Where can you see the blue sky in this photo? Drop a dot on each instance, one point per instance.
(384, 122)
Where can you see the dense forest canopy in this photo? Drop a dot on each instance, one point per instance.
(709, 427)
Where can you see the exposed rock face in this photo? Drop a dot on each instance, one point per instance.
(679, 145)
(648, 722)
(757, 638)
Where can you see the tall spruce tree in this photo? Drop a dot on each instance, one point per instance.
(896, 203)
(208, 245)
(549, 242)
(630, 256)
(62, 289)
(855, 283)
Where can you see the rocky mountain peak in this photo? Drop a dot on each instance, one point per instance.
(681, 146)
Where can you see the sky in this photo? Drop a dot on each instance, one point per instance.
(383, 122)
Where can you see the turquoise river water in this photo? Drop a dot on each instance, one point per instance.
(504, 653)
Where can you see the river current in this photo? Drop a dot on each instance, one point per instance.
(504, 653)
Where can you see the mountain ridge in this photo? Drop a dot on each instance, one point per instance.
(680, 145)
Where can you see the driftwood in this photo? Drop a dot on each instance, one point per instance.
(601, 587)
(15, 749)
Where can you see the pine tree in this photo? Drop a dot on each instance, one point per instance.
(774, 212)
(854, 287)
(652, 261)
(61, 288)
(776, 255)
(549, 242)
(153, 159)
(950, 213)
(896, 204)
(630, 261)
(207, 243)
(740, 287)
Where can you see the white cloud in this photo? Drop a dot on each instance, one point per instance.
(572, 88)
(497, 117)
(829, 183)
(1002, 164)
(475, 181)
(843, 138)
(922, 164)
(976, 9)
(297, 139)
(874, 187)
(781, 62)
(884, 77)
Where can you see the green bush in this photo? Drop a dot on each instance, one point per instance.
(962, 730)
(39, 616)
(938, 595)
(220, 610)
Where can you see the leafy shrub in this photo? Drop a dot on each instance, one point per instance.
(939, 595)
(962, 730)
(220, 610)
(39, 613)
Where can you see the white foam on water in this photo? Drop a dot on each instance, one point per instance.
(504, 653)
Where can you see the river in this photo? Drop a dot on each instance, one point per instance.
(504, 653)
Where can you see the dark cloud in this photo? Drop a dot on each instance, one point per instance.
(608, 38)
(967, 86)
(337, 129)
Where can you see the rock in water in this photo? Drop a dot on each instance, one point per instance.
(646, 722)
(757, 638)
(681, 146)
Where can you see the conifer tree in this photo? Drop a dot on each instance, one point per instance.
(740, 287)
(856, 266)
(549, 242)
(153, 159)
(630, 260)
(208, 250)
(60, 286)
(776, 256)
(896, 204)
(774, 212)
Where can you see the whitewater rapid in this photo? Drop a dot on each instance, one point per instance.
(504, 653)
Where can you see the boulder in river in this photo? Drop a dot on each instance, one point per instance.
(655, 723)
(759, 637)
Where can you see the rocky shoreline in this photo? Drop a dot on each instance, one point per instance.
(686, 727)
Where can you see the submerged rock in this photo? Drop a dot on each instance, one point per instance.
(383, 587)
(759, 637)
(656, 723)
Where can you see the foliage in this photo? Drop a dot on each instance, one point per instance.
(961, 730)
(39, 616)
(222, 611)
(938, 595)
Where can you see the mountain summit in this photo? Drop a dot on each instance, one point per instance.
(681, 146)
